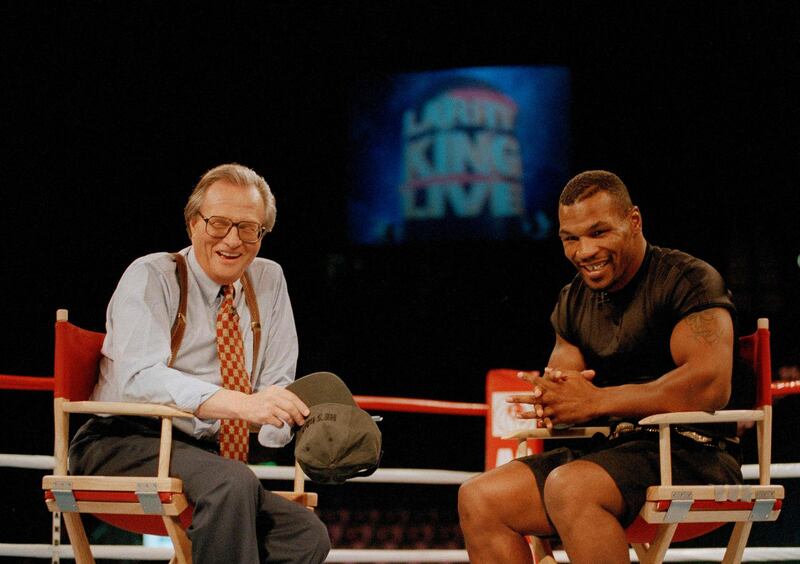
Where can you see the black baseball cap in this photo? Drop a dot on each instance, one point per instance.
(338, 440)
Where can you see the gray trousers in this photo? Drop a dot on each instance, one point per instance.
(235, 520)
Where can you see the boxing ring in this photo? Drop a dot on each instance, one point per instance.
(385, 476)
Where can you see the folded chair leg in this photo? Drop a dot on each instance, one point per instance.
(641, 550)
(180, 542)
(542, 551)
(658, 548)
(735, 550)
(77, 538)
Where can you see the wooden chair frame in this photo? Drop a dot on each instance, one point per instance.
(682, 511)
(145, 499)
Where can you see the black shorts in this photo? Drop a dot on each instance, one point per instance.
(633, 465)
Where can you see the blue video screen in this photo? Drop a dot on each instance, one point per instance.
(459, 154)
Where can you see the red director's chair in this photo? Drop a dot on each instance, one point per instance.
(682, 512)
(142, 504)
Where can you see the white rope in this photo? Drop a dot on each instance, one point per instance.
(112, 552)
(377, 555)
(266, 472)
(35, 461)
(124, 552)
(783, 470)
(382, 475)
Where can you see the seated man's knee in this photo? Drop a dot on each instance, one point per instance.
(484, 498)
(562, 487)
(572, 488)
(473, 499)
(504, 499)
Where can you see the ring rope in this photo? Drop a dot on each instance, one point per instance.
(413, 405)
(126, 552)
(381, 475)
(785, 388)
(384, 403)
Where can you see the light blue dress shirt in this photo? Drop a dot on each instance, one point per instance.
(136, 349)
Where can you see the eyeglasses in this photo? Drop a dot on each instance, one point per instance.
(219, 227)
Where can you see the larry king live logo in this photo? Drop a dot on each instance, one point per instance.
(462, 166)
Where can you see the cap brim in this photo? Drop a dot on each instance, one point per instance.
(321, 387)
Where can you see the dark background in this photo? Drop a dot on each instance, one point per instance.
(111, 111)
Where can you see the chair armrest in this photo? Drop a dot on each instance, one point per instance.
(124, 408)
(568, 433)
(725, 416)
(664, 420)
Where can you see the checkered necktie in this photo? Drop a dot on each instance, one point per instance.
(233, 433)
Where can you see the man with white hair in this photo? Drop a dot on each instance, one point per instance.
(235, 352)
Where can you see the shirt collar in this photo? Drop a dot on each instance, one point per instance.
(208, 288)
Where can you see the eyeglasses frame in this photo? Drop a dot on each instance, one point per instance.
(261, 229)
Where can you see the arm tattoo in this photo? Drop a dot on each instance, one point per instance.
(704, 327)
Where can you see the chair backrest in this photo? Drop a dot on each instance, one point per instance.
(754, 349)
(77, 356)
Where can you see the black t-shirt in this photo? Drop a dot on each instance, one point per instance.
(624, 336)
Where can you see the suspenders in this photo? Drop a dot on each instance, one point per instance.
(179, 325)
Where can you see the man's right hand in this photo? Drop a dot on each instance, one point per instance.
(275, 406)
(271, 406)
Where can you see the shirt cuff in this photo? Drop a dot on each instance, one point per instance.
(275, 437)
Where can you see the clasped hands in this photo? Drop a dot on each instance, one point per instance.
(559, 397)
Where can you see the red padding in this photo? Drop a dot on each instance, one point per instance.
(36, 383)
(145, 524)
(640, 531)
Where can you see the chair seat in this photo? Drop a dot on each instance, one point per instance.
(123, 509)
(710, 511)
(703, 516)
(712, 504)
(135, 504)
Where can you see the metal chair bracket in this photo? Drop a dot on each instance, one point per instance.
(679, 507)
(65, 500)
(149, 499)
(762, 509)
